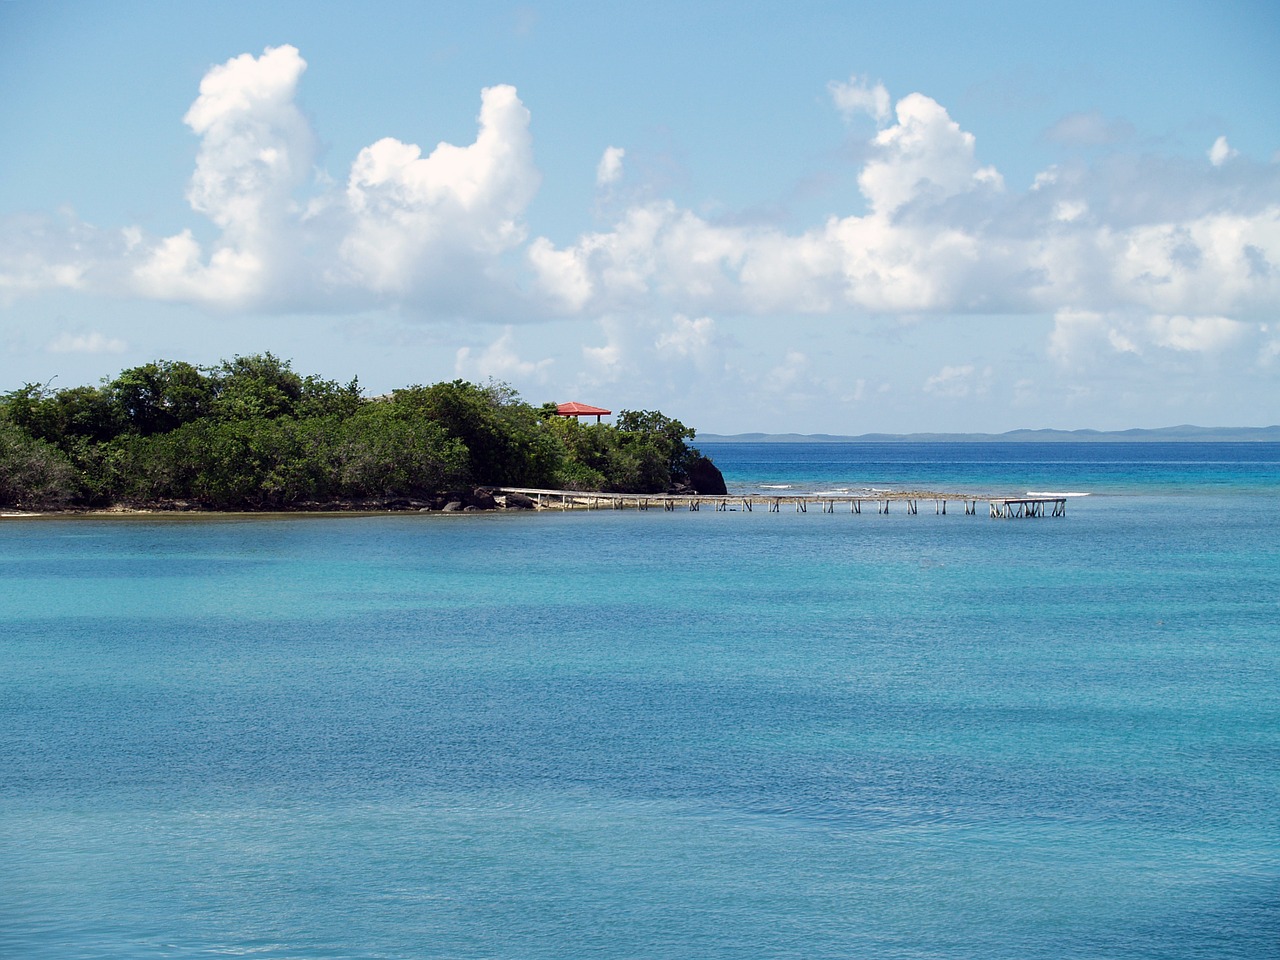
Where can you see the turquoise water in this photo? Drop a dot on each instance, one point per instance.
(660, 735)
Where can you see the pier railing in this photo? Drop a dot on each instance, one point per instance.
(998, 507)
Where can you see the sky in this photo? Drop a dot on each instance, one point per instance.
(813, 217)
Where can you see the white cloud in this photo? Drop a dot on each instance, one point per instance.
(609, 169)
(687, 338)
(404, 225)
(885, 261)
(1068, 210)
(942, 235)
(499, 361)
(256, 149)
(1221, 152)
(86, 343)
(1074, 331)
(1081, 338)
(958, 381)
(789, 376)
(604, 363)
(858, 96)
(1134, 258)
(563, 275)
(415, 217)
(1195, 334)
(925, 154)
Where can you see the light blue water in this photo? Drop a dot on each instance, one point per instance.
(645, 735)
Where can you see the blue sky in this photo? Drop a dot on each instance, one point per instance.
(834, 218)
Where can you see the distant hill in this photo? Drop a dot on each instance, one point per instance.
(1185, 432)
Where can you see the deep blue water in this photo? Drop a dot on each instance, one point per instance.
(660, 735)
(1106, 467)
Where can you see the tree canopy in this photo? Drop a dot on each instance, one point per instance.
(251, 433)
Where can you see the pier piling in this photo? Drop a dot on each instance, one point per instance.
(1000, 508)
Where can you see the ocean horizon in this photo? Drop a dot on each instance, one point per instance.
(626, 734)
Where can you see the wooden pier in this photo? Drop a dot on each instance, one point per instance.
(1003, 508)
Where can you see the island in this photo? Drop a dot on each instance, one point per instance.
(251, 434)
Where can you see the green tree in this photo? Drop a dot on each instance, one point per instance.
(391, 450)
(258, 387)
(502, 435)
(33, 473)
(158, 397)
(658, 453)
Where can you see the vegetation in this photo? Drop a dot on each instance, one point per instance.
(250, 433)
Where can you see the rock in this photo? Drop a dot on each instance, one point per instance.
(705, 478)
(482, 499)
(518, 501)
(453, 506)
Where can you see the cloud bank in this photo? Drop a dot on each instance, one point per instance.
(1132, 254)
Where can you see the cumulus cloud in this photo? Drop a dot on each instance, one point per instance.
(1081, 337)
(943, 234)
(1221, 152)
(790, 374)
(415, 217)
(256, 149)
(1195, 334)
(406, 226)
(925, 154)
(896, 258)
(500, 361)
(857, 95)
(958, 381)
(86, 343)
(609, 169)
(1186, 249)
(687, 338)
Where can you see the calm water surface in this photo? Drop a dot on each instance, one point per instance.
(652, 735)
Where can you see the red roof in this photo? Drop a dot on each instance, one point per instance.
(581, 410)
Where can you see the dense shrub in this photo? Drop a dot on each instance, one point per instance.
(33, 473)
(250, 433)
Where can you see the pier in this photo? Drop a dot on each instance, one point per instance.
(1002, 508)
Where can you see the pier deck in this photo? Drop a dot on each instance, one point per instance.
(998, 507)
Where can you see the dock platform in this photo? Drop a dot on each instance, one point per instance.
(1003, 508)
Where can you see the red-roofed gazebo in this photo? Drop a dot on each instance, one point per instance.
(581, 410)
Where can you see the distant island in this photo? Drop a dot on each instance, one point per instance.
(252, 434)
(1184, 433)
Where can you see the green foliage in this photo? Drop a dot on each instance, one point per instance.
(260, 387)
(33, 473)
(161, 396)
(655, 449)
(250, 433)
(503, 437)
(392, 449)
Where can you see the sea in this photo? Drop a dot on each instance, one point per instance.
(648, 734)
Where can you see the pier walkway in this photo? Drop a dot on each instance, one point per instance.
(998, 507)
